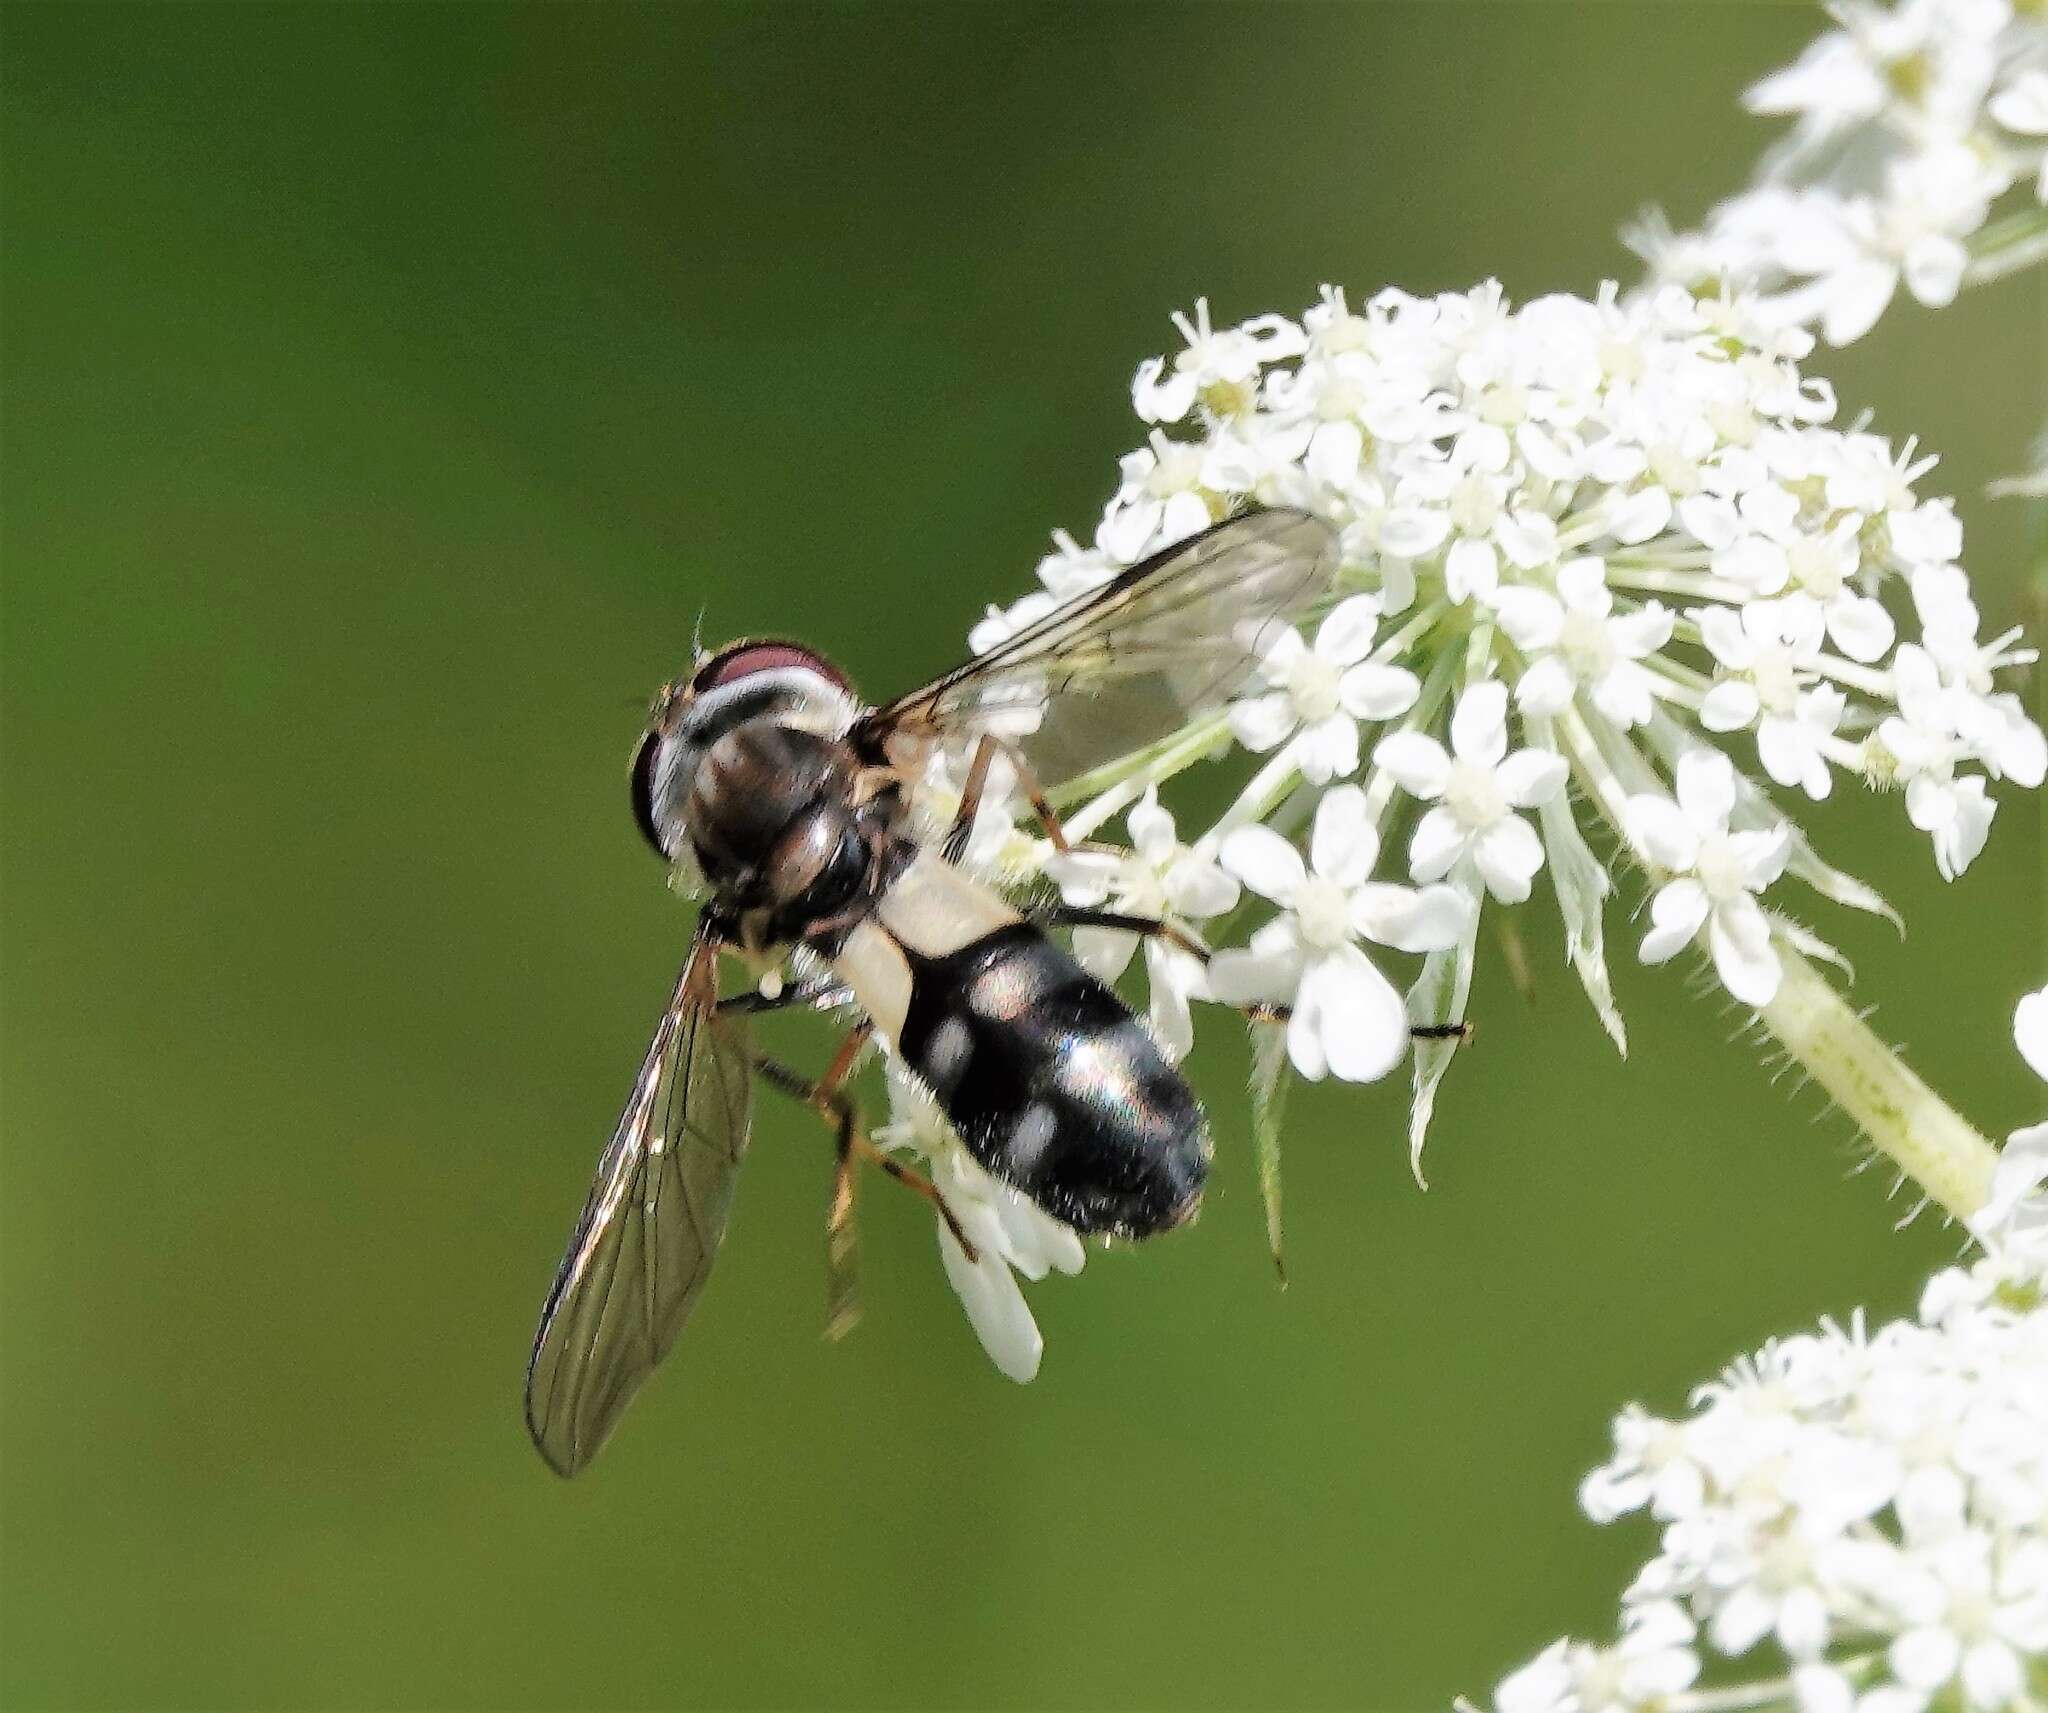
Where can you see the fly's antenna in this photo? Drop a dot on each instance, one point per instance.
(697, 649)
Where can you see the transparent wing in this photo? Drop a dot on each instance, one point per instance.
(1129, 663)
(651, 1227)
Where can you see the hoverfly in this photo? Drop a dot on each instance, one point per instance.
(763, 775)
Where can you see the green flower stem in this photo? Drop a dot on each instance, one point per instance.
(1918, 1130)
(1905, 1118)
(2007, 246)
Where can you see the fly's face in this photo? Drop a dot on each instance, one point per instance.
(687, 774)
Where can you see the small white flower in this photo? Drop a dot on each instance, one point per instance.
(1315, 696)
(2015, 1215)
(1159, 878)
(1220, 369)
(1859, 249)
(1347, 1019)
(1717, 874)
(1976, 1613)
(1767, 652)
(1920, 746)
(1071, 570)
(1477, 787)
(1575, 639)
(1824, 568)
(1010, 1233)
(1161, 500)
(1654, 1660)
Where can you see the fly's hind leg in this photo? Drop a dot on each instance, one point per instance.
(1146, 927)
(1460, 1032)
(827, 1097)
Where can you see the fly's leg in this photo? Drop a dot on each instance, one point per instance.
(819, 995)
(986, 750)
(1459, 1032)
(1034, 793)
(1146, 927)
(955, 846)
(827, 1097)
(1152, 927)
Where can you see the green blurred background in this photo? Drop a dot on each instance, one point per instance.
(386, 390)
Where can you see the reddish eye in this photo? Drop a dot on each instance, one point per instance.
(742, 659)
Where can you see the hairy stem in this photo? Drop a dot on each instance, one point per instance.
(1918, 1130)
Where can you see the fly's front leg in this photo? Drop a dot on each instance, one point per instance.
(957, 835)
(986, 749)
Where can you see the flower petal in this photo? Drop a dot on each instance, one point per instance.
(1195, 888)
(1728, 707)
(1083, 876)
(995, 1307)
(1545, 689)
(2030, 1030)
(1265, 862)
(1305, 1028)
(1431, 919)
(1151, 828)
(1676, 913)
(1532, 618)
(1416, 762)
(1104, 953)
(1344, 844)
(1664, 832)
(1862, 629)
(1328, 749)
(1374, 692)
(1479, 723)
(1531, 776)
(1261, 723)
(1508, 854)
(1257, 976)
(1438, 843)
(1346, 635)
(1363, 1021)
(1739, 936)
(1471, 568)
(1706, 788)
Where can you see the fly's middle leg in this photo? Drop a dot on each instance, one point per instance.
(827, 1097)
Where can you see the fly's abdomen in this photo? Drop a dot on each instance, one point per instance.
(1053, 1085)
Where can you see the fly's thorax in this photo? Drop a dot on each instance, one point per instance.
(778, 824)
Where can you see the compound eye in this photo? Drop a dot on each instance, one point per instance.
(743, 659)
(645, 760)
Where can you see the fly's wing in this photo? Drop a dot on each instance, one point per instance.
(1127, 664)
(651, 1227)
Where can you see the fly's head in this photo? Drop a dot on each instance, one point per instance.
(780, 683)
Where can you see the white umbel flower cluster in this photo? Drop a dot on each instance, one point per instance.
(1612, 578)
(1855, 1518)
(1611, 581)
(1918, 157)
